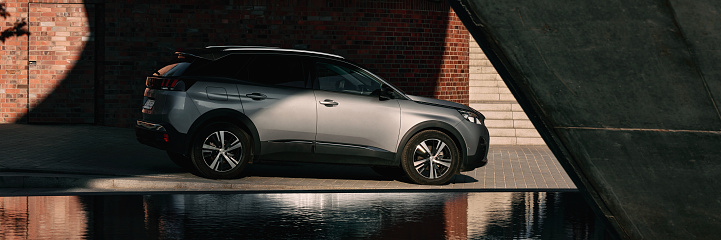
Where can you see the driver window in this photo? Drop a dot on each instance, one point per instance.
(336, 78)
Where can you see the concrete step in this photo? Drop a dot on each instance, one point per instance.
(482, 69)
(479, 61)
(488, 97)
(499, 123)
(476, 77)
(523, 124)
(530, 141)
(504, 115)
(510, 123)
(472, 90)
(527, 133)
(483, 80)
(507, 123)
(493, 106)
(501, 132)
(514, 132)
(493, 115)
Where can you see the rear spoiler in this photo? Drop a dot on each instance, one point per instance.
(207, 56)
(213, 53)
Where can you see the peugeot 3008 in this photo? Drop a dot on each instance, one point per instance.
(220, 108)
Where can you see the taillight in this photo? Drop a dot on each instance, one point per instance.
(168, 84)
(172, 84)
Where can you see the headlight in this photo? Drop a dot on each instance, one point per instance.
(473, 117)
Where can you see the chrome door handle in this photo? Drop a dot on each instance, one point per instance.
(328, 102)
(256, 96)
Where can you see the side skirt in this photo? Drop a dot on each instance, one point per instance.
(322, 152)
(352, 154)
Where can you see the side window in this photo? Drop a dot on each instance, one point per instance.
(337, 78)
(275, 70)
(228, 66)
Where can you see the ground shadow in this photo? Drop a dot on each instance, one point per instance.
(331, 171)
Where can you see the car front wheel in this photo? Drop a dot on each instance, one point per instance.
(430, 158)
(221, 151)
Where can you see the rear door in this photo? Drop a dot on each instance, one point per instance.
(276, 98)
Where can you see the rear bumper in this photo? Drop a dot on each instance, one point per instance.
(161, 136)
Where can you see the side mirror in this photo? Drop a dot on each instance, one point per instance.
(385, 94)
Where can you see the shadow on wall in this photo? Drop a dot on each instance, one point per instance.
(18, 29)
(413, 45)
(62, 64)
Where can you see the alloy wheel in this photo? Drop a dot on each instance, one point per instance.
(222, 151)
(432, 158)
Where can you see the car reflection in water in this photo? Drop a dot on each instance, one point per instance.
(532, 215)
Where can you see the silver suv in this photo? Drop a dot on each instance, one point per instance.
(221, 108)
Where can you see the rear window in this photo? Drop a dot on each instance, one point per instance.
(172, 70)
(254, 68)
(275, 70)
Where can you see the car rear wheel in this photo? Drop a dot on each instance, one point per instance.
(221, 151)
(430, 158)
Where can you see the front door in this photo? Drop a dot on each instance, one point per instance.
(352, 119)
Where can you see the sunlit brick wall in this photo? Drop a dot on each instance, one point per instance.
(454, 79)
(13, 64)
(62, 70)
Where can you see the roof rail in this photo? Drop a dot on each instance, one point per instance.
(233, 46)
(283, 50)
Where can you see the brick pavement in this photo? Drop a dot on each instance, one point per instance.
(93, 158)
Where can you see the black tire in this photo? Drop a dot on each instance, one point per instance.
(180, 160)
(221, 151)
(430, 158)
(392, 173)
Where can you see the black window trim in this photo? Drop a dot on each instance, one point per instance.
(314, 76)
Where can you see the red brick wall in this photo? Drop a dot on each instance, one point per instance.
(13, 64)
(454, 78)
(419, 45)
(61, 80)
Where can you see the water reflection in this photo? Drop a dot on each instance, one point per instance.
(42, 217)
(301, 216)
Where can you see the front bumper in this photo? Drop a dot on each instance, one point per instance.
(479, 159)
(473, 162)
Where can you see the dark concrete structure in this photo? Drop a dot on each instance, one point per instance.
(626, 95)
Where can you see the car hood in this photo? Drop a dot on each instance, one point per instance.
(438, 102)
